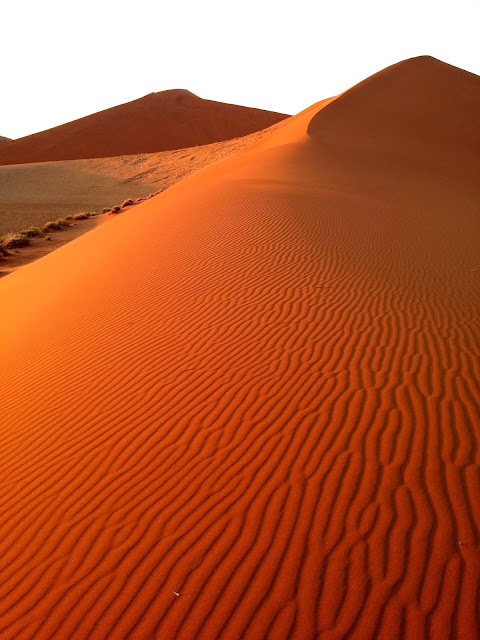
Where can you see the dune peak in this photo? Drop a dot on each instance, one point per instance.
(162, 121)
(417, 106)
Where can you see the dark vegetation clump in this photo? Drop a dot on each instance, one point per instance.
(50, 226)
(115, 210)
(81, 216)
(127, 203)
(14, 241)
(32, 232)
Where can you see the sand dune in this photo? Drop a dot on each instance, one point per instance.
(32, 194)
(262, 420)
(157, 122)
(3, 139)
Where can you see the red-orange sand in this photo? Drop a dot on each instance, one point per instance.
(261, 420)
(158, 122)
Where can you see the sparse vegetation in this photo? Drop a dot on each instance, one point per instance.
(22, 238)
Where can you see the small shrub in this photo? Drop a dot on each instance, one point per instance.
(80, 216)
(68, 217)
(32, 232)
(106, 210)
(15, 240)
(127, 203)
(51, 225)
(139, 200)
(62, 222)
(115, 210)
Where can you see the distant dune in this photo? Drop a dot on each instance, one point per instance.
(3, 139)
(157, 122)
(249, 407)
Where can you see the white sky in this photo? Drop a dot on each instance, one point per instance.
(62, 60)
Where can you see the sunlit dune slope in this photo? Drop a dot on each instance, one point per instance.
(157, 122)
(249, 407)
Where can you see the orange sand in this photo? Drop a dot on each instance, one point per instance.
(157, 122)
(262, 420)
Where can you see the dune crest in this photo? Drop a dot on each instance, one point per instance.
(415, 107)
(261, 419)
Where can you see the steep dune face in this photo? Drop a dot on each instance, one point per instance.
(260, 419)
(418, 110)
(158, 122)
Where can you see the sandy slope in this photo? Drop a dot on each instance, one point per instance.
(32, 194)
(3, 139)
(262, 421)
(158, 122)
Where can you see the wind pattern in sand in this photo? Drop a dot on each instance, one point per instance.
(260, 419)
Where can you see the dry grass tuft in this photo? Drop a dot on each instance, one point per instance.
(62, 222)
(32, 232)
(50, 226)
(13, 241)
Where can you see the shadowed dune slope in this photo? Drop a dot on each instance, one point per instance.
(260, 420)
(419, 113)
(157, 122)
(3, 139)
